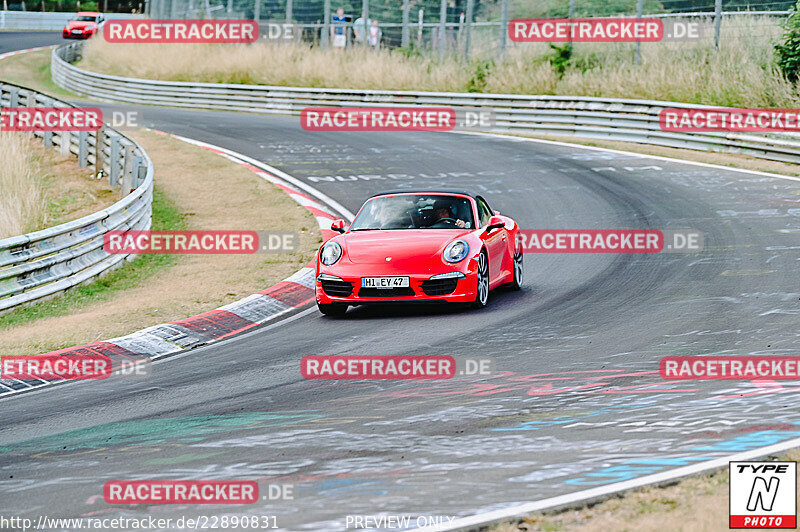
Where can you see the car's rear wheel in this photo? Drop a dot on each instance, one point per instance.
(516, 282)
(334, 310)
(482, 291)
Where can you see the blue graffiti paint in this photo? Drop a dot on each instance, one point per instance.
(634, 468)
(750, 441)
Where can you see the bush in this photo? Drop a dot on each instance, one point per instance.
(788, 51)
(561, 57)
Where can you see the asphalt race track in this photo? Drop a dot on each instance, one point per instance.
(22, 40)
(576, 401)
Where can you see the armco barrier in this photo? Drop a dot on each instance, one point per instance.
(37, 20)
(598, 118)
(46, 262)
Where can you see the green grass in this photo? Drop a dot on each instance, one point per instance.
(32, 70)
(44, 77)
(166, 217)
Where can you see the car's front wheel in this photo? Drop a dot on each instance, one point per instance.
(482, 291)
(334, 310)
(516, 282)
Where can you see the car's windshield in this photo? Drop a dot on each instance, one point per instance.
(84, 18)
(423, 211)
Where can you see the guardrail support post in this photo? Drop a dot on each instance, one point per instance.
(365, 18)
(717, 21)
(468, 27)
(13, 97)
(113, 161)
(141, 174)
(503, 26)
(442, 27)
(100, 151)
(406, 37)
(637, 53)
(83, 149)
(136, 166)
(47, 135)
(127, 171)
(66, 141)
(325, 38)
(30, 101)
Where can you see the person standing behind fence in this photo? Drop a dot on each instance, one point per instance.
(338, 29)
(375, 34)
(360, 29)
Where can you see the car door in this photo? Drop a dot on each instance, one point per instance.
(496, 242)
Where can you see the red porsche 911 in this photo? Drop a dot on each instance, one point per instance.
(418, 247)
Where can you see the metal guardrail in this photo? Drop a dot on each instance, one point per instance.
(44, 263)
(597, 118)
(37, 20)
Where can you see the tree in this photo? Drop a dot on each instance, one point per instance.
(788, 51)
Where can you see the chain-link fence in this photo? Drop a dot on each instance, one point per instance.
(466, 27)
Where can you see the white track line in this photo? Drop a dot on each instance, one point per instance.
(633, 154)
(487, 518)
(283, 175)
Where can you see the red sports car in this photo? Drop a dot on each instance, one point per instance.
(418, 246)
(84, 25)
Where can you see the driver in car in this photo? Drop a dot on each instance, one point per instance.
(443, 214)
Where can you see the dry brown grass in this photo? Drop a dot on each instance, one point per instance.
(742, 73)
(213, 193)
(39, 187)
(22, 203)
(286, 64)
(695, 504)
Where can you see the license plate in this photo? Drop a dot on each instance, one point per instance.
(76, 31)
(385, 282)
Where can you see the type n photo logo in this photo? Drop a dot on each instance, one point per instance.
(763, 495)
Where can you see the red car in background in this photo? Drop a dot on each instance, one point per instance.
(85, 24)
(418, 247)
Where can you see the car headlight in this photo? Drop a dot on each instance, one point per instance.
(331, 252)
(456, 251)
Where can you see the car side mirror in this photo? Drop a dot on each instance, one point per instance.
(495, 222)
(338, 226)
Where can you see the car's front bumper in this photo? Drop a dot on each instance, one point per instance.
(70, 35)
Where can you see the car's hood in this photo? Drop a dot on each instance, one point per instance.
(78, 24)
(400, 244)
